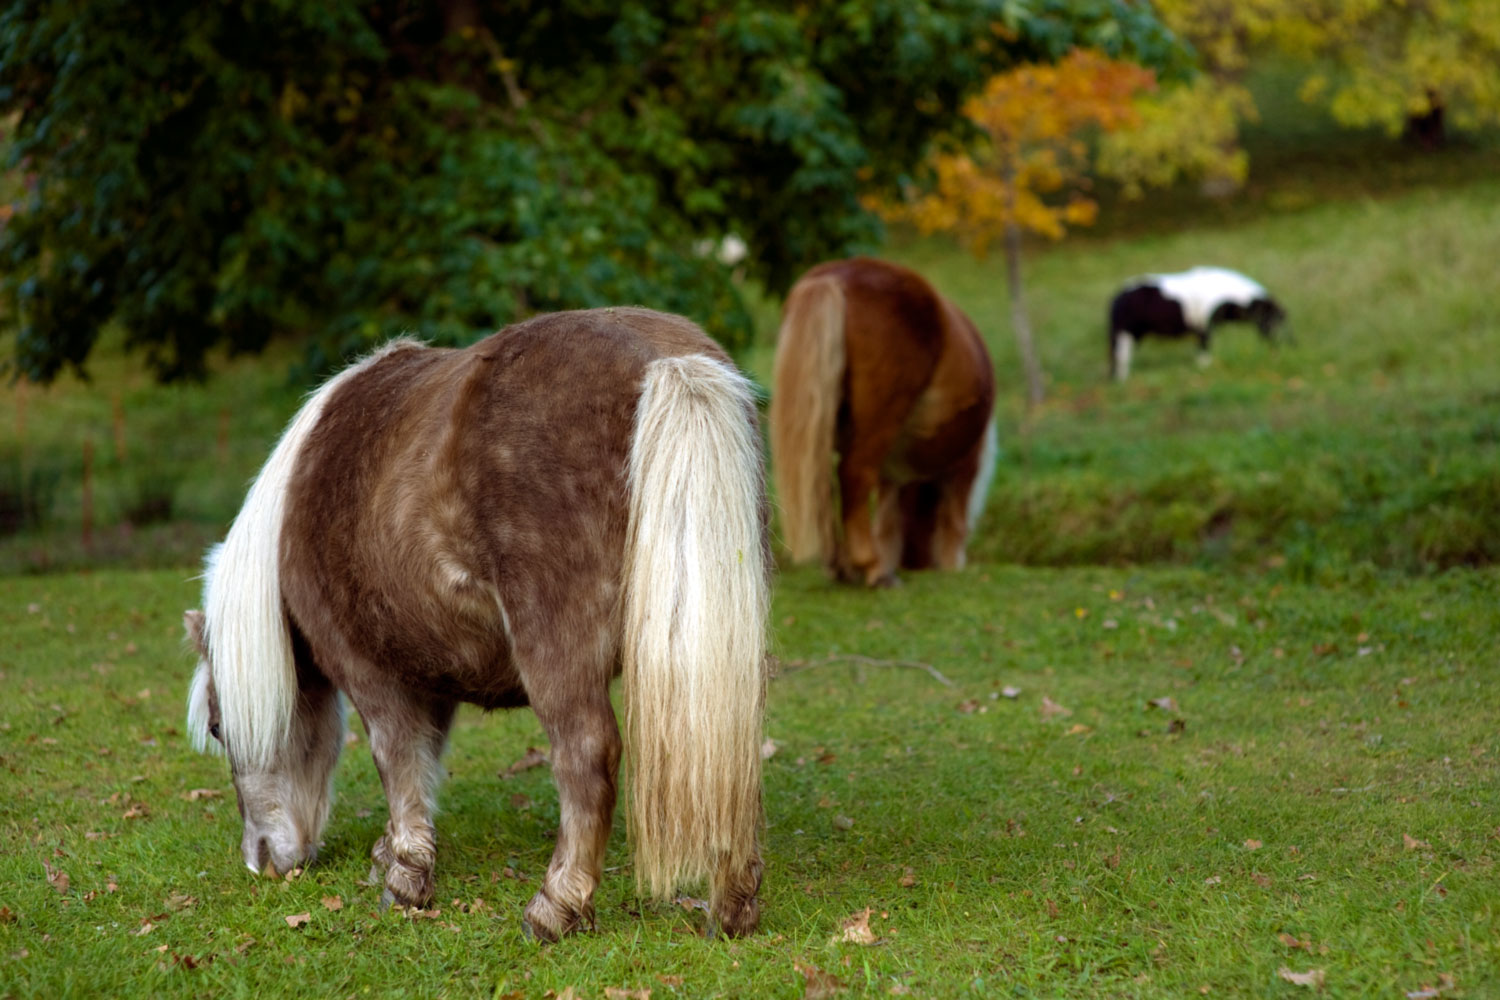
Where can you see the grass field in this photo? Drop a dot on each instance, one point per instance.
(1320, 794)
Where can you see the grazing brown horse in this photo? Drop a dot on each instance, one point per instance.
(875, 367)
(577, 496)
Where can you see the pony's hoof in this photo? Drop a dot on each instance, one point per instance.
(547, 921)
(888, 582)
(734, 921)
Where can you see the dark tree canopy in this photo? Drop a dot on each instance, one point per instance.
(214, 174)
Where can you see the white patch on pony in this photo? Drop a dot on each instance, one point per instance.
(1201, 290)
(989, 452)
(1124, 347)
(248, 638)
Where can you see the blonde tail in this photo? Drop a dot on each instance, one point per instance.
(695, 604)
(807, 385)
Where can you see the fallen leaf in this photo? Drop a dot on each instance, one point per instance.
(691, 903)
(1445, 984)
(619, 993)
(7, 915)
(1291, 941)
(1253, 845)
(1261, 879)
(899, 990)
(136, 811)
(1077, 728)
(297, 919)
(180, 901)
(144, 929)
(968, 706)
(1176, 726)
(843, 823)
(194, 794)
(333, 902)
(56, 877)
(768, 749)
(670, 980)
(1212, 880)
(820, 984)
(531, 758)
(1312, 978)
(907, 879)
(1412, 843)
(1050, 708)
(856, 929)
(1166, 703)
(520, 802)
(1007, 692)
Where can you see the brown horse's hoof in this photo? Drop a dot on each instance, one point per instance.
(406, 887)
(546, 920)
(736, 920)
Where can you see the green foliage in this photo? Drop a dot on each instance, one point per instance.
(215, 174)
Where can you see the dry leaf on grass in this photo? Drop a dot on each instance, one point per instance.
(843, 823)
(1412, 843)
(1008, 692)
(820, 985)
(1077, 728)
(180, 901)
(56, 877)
(333, 902)
(1253, 845)
(194, 794)
(1312, 978)
(856, 929)
(531, 758)
(620, 993)
(908, 879)
(768, 749)
(1166, 703)
(1445, 984)
(1050, 708)
(1291, 941)
(669, 980)
(297, 919)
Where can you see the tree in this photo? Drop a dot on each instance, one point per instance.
(214, 174)
(1030, 173)
(1413, 65)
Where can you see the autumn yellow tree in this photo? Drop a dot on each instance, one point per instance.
(1414, 65)
(1030, 169)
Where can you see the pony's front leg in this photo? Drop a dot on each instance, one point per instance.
(585, 763)
(407, 741)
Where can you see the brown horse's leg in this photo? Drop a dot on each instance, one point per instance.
(919, 507)
(950, 528)
(735, 910)
(872, 526)
(585, 763)
(406, 740)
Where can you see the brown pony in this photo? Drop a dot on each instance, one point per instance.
(510, 524)
(875, 367)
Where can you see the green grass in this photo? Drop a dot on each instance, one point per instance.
(1107, 852)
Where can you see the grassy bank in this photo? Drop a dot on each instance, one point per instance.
(1314, 789)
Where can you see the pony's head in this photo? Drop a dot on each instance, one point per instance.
(1268, 315)
(283, 798)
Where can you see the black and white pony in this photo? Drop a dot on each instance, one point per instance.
(1190, 302)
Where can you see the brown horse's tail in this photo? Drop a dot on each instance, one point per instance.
(696, 598)
(804, 406)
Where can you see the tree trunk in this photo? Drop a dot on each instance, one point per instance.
(1428, 129)
(1019, 321)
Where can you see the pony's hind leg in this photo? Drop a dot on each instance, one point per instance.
(585, 764)
(872, 527)
(735, 908)
(406, 740)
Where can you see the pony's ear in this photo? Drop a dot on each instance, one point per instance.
(192, 623)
